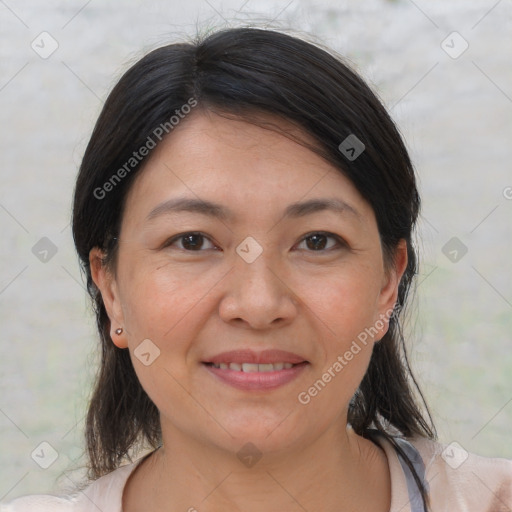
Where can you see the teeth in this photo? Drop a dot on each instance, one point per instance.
(253, 367)
(249, 367)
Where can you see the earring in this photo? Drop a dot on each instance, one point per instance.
(119, 331)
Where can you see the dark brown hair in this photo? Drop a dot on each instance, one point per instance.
(243, 72)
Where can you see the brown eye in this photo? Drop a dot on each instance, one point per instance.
(318, 242)
(189, 241)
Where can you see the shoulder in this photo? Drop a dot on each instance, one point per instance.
(40, 503)
(102, 494)
(463, 480)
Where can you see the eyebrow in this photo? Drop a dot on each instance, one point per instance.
(211, 209)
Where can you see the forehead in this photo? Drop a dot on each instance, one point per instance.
(239, 164)
(216, 143)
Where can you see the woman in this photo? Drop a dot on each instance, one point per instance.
(244, 213)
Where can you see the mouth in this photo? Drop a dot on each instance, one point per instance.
(252, 360)
(254, 367)
(255, 376)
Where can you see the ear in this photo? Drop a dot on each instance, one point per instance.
(389, 291)
(107, 286)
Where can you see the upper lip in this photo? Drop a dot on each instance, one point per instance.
(261, 357)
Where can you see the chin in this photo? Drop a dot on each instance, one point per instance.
(274, 433)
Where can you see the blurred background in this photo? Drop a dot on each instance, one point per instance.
(443, 70)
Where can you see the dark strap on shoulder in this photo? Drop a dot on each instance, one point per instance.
(414, 457)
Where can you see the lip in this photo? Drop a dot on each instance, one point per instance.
(251, 356)
(257, 381)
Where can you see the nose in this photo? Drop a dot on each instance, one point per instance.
(257, 296)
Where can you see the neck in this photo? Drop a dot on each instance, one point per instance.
(339, 471)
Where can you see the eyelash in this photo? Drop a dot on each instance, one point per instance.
(341, 243)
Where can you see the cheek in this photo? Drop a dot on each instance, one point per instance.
(345, 309)
(345, 314)
(157, 301)
(169, 307)
(162, 307)
(346, 304)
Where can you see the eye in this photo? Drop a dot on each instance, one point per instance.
(192, 241)
(317, 242)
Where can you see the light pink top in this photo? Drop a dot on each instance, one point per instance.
(457, 482)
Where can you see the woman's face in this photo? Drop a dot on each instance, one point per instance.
(271, 269)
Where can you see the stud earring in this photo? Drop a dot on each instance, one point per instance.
(119, 331)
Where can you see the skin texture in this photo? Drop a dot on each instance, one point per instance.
(198, 303)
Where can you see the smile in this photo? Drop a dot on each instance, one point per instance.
(252, 367)
(255, 377)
